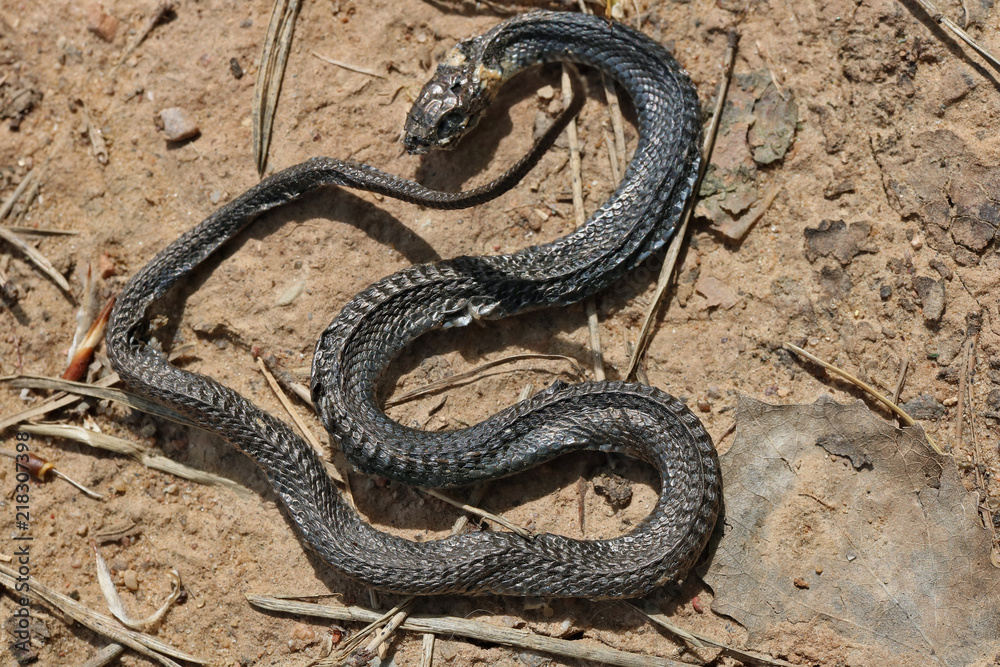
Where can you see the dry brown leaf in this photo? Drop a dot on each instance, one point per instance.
(837, 521)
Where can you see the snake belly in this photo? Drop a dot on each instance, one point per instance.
(355, 350)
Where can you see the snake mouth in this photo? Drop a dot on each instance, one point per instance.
(414, 146)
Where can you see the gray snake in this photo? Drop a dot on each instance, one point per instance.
(357, 347)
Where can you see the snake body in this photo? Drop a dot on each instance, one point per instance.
(355, 350)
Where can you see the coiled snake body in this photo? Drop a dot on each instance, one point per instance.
(356, 348)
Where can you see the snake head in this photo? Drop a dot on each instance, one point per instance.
(450, 104)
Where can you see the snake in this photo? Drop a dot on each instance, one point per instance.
(354, 352)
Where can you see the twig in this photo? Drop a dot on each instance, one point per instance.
(904, 364)
(961, 34)
(449, 625)
(273, 59)
(8, 203)
(866, 387)
(476, 497)
(427, 650)
(162, 10)
(103, 625)
(478, 512)
(351, 645)
(470, 375)
(28, 231)
(348, 66)
(666, 272)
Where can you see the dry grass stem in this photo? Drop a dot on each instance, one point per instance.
(95, 391)
(24, 247)
(105, 656)
(54, 403)
(289, 408)
(111, 443)
(103, 625)
(273, 58)
(471, 375)
(303, 428)
(617, 124)
(450, 625)
(348, 66)
(865, 387)
(117, 607)
(478, 512)
(597, 355)
(37, 258)
(698, 640)
(670, 262)
(961, 34)
(580, 215)
(771, 70)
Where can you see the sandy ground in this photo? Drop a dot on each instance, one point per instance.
(895, 136)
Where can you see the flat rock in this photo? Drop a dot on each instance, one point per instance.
(177, 124)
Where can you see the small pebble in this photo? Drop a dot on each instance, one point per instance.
(119, 485)
(800, 583)
(917, 243)
(131, 580)
(704, 405)
(303, 632)
(885, 292)
(105, 266)
(100, 22)
(170, 489)
(82, 530)
(177, 124)
(546, 92)
(235, 69)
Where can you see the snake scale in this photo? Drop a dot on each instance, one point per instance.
(355, 350)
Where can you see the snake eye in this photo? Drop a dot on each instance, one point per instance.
(450, 123)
